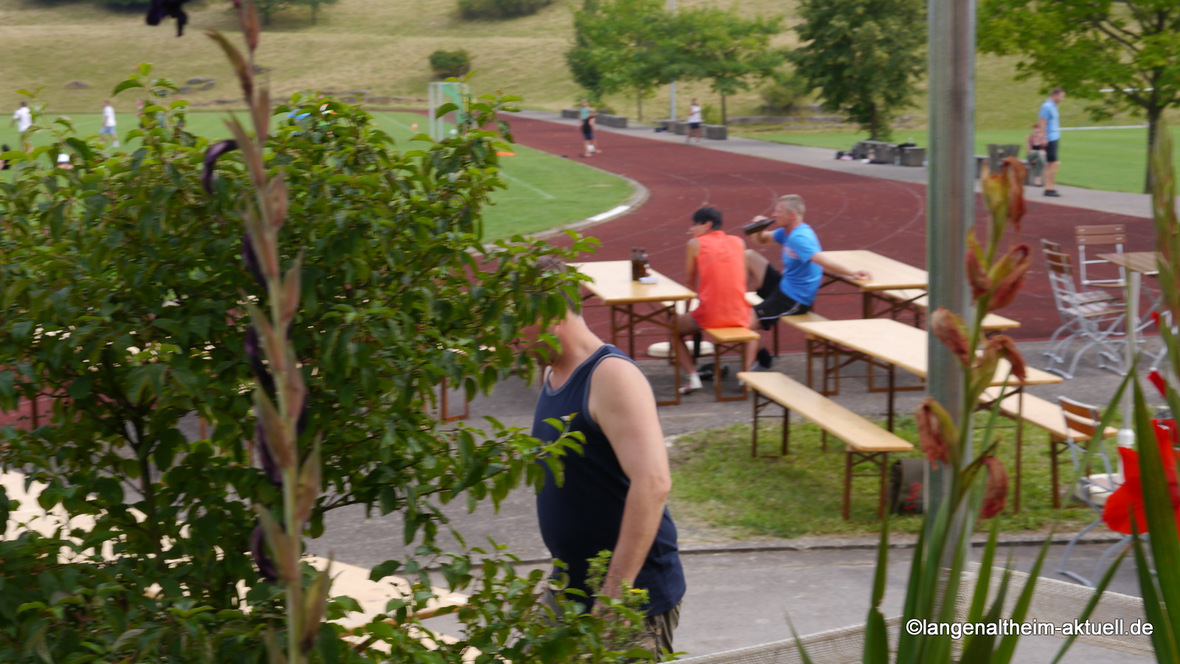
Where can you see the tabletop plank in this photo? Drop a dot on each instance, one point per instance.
(1143, 262)
(613, 285)
(888, 274)
(901, 345)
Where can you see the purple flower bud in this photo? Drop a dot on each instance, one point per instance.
(266, 566)
(211, 156)
(254, 354)
(273, 473)
(251, 260)
(161, 9)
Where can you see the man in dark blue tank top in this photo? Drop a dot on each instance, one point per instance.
(614, 493)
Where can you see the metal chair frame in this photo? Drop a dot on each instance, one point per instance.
(1096, 320)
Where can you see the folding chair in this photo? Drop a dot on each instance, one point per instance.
(1094, 320)
(1100, 239)
(1093, 490)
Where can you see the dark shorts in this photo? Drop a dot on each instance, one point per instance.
(1051, 152)
(776, 306)
(587, 131)
(694, 125)
(769, 282)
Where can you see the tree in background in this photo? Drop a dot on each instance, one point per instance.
(1117, 55)
(637, 45)
(622, 45)
(268, 8)
(314, 6)
(865, 56)
(727, 49)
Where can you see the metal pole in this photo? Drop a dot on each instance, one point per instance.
(950, 195)
(672, 85)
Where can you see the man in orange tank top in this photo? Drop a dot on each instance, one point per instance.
(716, 268)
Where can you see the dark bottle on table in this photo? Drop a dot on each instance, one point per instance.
(636, 265)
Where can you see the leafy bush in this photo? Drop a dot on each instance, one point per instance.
(448, 64)
(122, 293)
(783, 93)
(500, 9)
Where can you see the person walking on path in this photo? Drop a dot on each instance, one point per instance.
(589, 118)
(1049, 123)
(716, 268)
(804, 264)
(694, 121)
(613, 494)
(23, 119)
(109, 133)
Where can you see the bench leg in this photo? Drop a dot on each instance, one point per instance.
(1057, 447)
(754, 432)
(786, 430)
(847, 511)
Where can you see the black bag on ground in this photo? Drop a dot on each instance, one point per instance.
(906, 488)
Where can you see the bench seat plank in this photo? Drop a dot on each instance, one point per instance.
(918, 299)
(867, 443)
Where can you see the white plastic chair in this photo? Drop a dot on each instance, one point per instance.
(1091, 489)
(1094, 319)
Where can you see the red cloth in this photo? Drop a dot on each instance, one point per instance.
(721, 268)
(1127, 500)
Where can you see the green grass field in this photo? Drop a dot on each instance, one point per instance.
(716, 482)
(1106, 159)
(544, 191)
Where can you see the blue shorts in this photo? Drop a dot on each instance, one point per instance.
(107, 130)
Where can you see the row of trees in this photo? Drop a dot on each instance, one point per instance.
(865, 56)
(637, 45)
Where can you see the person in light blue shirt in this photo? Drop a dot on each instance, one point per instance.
(804, 265)
(1049, 124)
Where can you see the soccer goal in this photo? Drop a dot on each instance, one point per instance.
(442, 93)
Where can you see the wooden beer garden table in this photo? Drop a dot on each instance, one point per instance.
(611, 283)
(890, 344)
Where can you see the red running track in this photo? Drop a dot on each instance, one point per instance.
(847, 212)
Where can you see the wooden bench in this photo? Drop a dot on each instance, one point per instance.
(866, 442)
(1046, 415)
(917, 302)
(726, 339)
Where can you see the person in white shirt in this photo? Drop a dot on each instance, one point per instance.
(694, 121)
(23, 119)
(109, 134)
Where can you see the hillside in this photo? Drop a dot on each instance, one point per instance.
(378, 46)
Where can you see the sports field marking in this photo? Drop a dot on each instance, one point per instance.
(527, 185)
(610, 213)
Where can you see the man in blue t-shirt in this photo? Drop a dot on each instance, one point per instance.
(1049, 124)
(804, 264)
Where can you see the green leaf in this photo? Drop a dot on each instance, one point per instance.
(126, 85)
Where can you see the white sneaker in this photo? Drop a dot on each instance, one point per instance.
(692, 383)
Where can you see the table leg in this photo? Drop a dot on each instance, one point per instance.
(631, 336)
(1019, 451)
(674, 347)
(1126, 433)
(892, 391)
